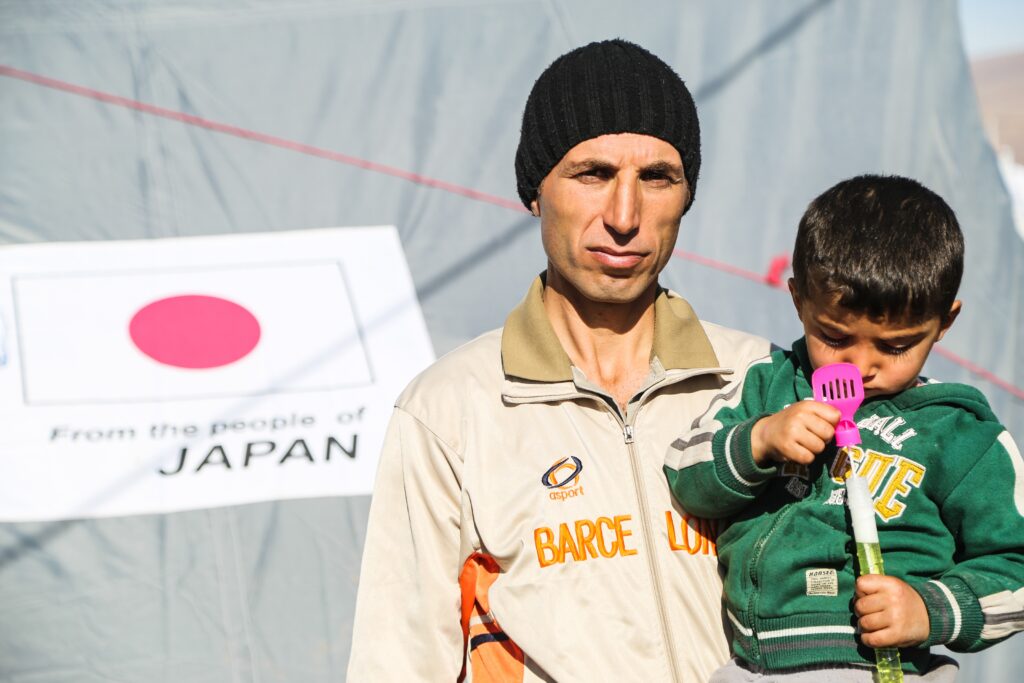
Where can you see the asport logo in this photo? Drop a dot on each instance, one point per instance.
(563, 478)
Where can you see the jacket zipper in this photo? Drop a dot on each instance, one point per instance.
(755, 592)
(645, 527)
(645, 522)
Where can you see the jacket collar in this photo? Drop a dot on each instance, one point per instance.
(530, 350)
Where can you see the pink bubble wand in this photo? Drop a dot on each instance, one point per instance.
(840, 385)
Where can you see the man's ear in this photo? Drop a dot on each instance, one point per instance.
(796, 297)
(949, 318)
(535, 204)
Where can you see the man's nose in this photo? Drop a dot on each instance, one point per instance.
(622, 214)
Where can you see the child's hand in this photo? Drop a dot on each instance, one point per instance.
(796, 434)
(891, 613)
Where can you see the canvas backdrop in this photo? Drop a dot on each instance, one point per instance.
(151, 120)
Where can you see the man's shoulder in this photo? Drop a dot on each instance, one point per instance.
(457, 376)
(735, 348)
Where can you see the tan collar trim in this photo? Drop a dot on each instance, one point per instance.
(530, 349)
(679, 339)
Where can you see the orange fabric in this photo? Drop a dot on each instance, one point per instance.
(496, 659)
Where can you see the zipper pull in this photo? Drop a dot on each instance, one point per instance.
(627, 433)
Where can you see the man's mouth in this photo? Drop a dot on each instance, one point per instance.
(614, 258)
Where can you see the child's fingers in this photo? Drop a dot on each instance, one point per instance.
(823, 411)
(796, 434)
(796, 444)
(873, 583)
(811, 442)
(870, 604)
(821, 427)
(813, 439)
(811, 418)
(810, 434)
(891, 611)
(877, 621)
(812, 410)
(885, 637)
(798, 454)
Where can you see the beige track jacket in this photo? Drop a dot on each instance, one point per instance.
(521, 527)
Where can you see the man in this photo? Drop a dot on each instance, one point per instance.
(521, 527)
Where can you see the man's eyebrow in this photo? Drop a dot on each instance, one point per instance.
(589, 164)
(597, 164)
(664, 167)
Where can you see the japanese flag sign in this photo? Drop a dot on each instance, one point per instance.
(159, 375)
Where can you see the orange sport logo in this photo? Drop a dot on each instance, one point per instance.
(563, 478)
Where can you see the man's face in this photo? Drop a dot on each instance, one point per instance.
(610, 214)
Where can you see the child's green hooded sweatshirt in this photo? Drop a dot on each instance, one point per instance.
(948, 485)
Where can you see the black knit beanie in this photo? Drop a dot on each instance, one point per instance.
(613, 86)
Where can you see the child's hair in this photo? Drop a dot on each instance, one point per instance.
(886, 245)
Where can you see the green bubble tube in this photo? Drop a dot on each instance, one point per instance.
(869, 558)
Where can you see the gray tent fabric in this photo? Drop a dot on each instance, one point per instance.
(139, 119)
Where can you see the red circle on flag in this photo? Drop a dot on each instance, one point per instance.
(194, 331)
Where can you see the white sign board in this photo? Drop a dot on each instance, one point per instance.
(161, 375)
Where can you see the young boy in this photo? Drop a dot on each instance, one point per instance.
(876, 269)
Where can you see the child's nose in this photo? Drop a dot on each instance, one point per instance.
(864, 360)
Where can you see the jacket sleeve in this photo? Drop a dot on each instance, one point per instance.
(710, 468)
(980, 600)
(407, 621)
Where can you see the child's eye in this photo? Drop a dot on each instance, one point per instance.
(834, 342)
(895, 350)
